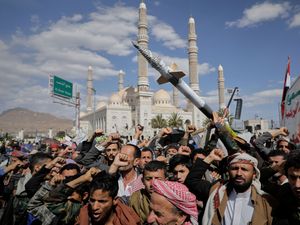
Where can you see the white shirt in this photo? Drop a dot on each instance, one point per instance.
(239, 209)
(125, 191)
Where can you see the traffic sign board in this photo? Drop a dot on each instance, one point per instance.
(62, 87)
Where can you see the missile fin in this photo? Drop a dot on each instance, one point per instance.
(178, 74)
(162, 80)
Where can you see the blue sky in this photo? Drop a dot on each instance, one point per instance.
(250, 39)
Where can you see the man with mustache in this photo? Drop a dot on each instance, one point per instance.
(240, 200)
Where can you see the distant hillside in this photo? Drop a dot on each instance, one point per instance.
(13, 120)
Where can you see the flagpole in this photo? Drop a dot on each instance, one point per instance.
(286, 86)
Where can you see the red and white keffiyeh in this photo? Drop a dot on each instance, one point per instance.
(179, 195)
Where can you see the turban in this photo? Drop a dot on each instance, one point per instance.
(179, 195)
(248, 159)
(245, 158)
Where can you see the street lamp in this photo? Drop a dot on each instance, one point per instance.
(94, 109)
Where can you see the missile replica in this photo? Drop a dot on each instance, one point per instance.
(174, 77)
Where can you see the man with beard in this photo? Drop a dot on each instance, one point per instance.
(240, 200)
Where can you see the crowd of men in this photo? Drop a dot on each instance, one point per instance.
(165, 180)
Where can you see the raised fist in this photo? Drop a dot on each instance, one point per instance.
(121, 160)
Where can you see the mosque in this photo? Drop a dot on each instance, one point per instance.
(139, 105)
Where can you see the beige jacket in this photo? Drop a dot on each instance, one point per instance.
(261, 213)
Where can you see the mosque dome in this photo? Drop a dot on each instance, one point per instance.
(115, 99)
(161, 97)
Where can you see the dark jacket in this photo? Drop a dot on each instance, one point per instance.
(288, 211)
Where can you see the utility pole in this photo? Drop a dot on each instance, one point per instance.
(94, 109)
(77, 109)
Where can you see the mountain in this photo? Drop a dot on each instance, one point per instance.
(14, 120)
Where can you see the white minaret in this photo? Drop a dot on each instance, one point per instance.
(197, 115)
(193, 57)
(142, 39)
(121, 80)
(89, 100)
(143, 108)
(221, 87)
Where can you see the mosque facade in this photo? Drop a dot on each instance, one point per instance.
(138, 104)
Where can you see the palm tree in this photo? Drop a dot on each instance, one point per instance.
(175, 120)
(158, 122)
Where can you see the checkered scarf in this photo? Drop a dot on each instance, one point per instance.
(179, 195)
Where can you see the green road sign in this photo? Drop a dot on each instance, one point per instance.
(62, 87)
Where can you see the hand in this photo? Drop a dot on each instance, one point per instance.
(56, 179)
(17, 163)
(215, 175)
(190, 129)
(217, 119)
(165, 131)
(88, 176)
(66, 151)
(225, 113)
(162, 159)
(143, 143)
(139, 130)
(215, 155)
(114, 136)
(13, 165)
(284, 131)
(121, 160)
(55, 162)
(184, 150)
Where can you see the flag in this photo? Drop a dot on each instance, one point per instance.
(286, 86)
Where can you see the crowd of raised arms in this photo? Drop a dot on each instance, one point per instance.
(164, 180)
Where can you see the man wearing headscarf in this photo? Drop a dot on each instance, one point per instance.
(172, 203)
(240, 200)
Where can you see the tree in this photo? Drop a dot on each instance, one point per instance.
(175, 120)
(158, 122)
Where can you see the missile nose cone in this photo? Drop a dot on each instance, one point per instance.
(135, 44)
